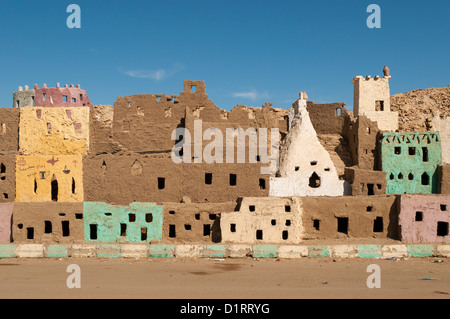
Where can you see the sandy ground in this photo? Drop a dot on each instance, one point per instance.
(307, 278)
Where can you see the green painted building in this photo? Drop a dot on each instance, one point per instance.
(136, 223)
(410, 161)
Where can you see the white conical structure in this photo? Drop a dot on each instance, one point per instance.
(306, 168)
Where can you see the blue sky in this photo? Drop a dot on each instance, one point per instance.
(247, 52)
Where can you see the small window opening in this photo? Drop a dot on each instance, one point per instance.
(54, 189)
(45, 96)
(30, 233)
(161, 182)
(48, 229)
(442, 229)
(379, 105)
(65, 228)
(131, 218)
(74, 100)
(2, 171)
(78, 216)
(288, 222)
(73, 186)
(313, 163)
(370, 189)
(172, 212)
(35, 186)
(143, 234)
(93, 232)
(273, 222)
(411, 150)
(297, 168)
(338, 111)
(123, 230)
(285, 234)
(424, 154)
(425, 179)
(233, 179)
(193, 88)
(316, 224)
(212, 216)
(5, 196)
(369, 209)
(410, 177)
(187, 227)
(342, 226)
(65, 98)
(419, 217)
(251, 208)
(233, 228)
(172, 231)
(262, 183)
(391, 177)
(400, 176)
(287, 208)
(378, 225)
(20, 226)
(259, 234)
(206, 229)
(208, 178)
(197, 216)
(148, 218)
(314, 181)
(397, 150)
(443, 207)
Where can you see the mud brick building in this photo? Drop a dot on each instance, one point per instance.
(158, 168)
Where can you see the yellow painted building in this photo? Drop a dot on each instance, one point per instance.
(46, 178)
(54, 130)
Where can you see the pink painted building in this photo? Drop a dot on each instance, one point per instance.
(66, 96)
(424, 218)
(6, 211)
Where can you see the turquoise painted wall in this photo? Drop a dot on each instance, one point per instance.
(136, 223)
(408, 158)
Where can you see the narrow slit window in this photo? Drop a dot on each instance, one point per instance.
(233, 179)
(262, 183)
(316, 224)
(206, 230)
(424, 154)
(208, 178)
(73, 186)
(65, 228)
(161, 182)
(48, 229)
(172, 231)
(123, 230)
(93, 231)
(143, 234)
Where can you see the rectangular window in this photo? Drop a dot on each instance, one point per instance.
(48, 227)
(233, 179)
(342, 225)
(65, 228)
(424, 154)
(161, 182)
(259, 234)
(172, 231)
(233, 228)
(206, 229)
(123, 230)
(208, 178)
(65, 98)
(93, 232)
